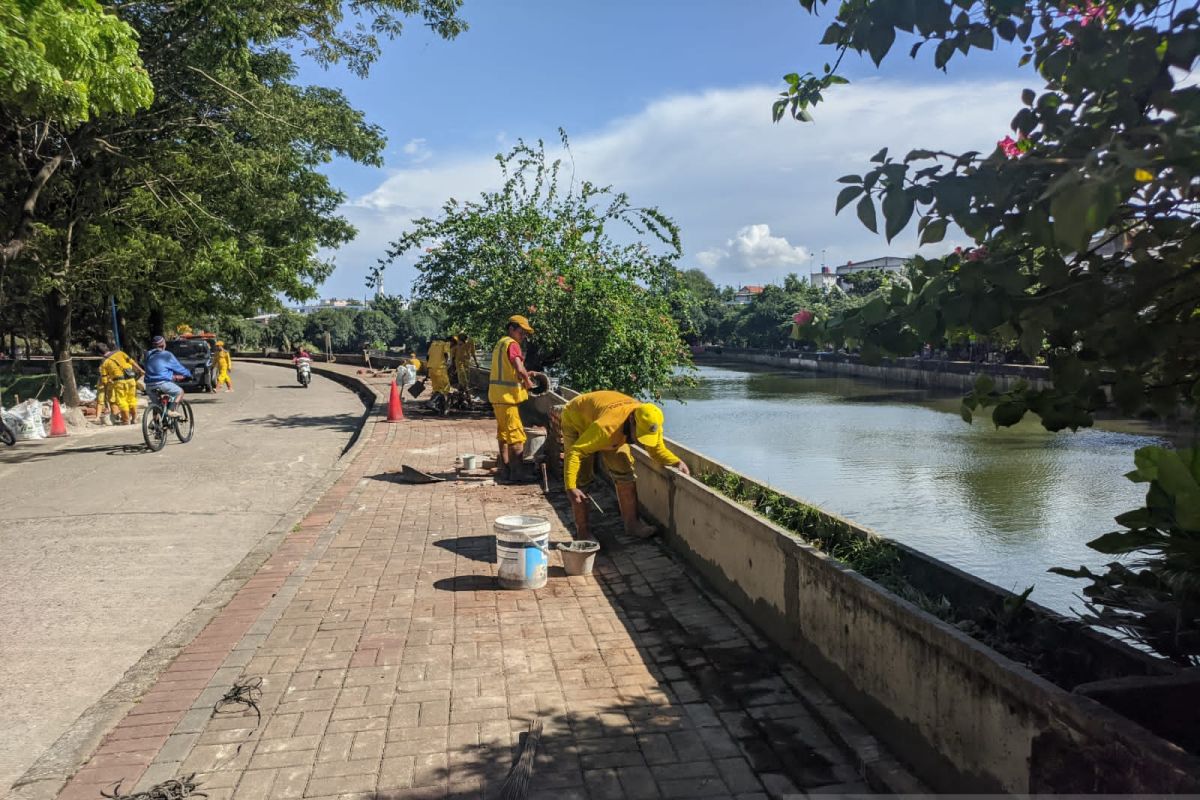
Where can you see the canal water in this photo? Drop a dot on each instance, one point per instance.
(1002, 504)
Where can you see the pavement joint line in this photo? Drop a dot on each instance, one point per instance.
(251, 641)
(46, 777)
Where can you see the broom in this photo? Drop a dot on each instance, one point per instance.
(516, 785)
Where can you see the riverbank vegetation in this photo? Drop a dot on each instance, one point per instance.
(1006, 628)
(594, 273)
(1086, 235)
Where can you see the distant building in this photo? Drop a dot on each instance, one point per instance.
(745, 295)
(829, 278)
(825, 280)
(334, 303)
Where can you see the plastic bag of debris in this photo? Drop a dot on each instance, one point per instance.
(25, 420)
(87, 394)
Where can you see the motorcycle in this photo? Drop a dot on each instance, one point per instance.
(304, 371)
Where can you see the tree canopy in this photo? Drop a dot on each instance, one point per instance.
(601, 308)
(1084, 218)
(1086, 236)
(208, 200)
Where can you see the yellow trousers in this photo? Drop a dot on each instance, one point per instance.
(223, 378)
(509, 429)
(440, 380)
(121, 396)
(618, 462)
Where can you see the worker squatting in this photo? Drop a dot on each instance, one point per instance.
(594, 424)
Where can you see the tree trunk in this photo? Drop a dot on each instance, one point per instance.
(157, 322)
(58, 331)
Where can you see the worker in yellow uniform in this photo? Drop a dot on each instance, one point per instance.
(437, 365)
(463, 356)
(508, 386)
(118, 385)
(606, 423)
(224, 367)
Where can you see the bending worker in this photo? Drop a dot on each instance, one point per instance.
(224, 367)
(118, 384)
(605, 423)
(508, 386)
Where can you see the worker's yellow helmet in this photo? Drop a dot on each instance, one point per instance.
(648, 425)
(520, 321)
(220, 344)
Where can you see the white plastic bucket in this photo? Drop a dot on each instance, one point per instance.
(522, 548)
(468, 460)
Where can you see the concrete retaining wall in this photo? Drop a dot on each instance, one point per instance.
(957, 376)
(966, 718)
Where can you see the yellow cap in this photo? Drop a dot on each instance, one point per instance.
(220, 344)
(648, 424)
(517, 319)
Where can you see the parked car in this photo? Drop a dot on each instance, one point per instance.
(197, 355)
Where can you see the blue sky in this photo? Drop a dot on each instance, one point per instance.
(669, 100)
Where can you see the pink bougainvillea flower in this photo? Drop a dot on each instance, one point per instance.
(1009, 146)
(1093, 12)
(802, 317)
(978, 254)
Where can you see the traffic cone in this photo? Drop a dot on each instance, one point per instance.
(58, 425)
(395, 407)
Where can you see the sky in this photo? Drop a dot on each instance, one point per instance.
(668, 101)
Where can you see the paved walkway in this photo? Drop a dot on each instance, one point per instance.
(392, 667)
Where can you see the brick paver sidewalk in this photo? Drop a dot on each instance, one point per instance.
(393, 667)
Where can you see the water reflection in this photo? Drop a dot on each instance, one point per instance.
(1003, 504)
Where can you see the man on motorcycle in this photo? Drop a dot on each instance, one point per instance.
(161, 368)
(303, 363)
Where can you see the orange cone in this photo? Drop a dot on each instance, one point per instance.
(395, 407)
(58, 425)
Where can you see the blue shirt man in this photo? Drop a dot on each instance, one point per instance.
(161, 368)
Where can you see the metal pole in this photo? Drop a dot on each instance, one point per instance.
(116, 330)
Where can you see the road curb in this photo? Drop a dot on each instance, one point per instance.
(55, 766)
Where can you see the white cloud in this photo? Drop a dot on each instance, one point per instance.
(417, 151)
(714, 160)
(754, 248)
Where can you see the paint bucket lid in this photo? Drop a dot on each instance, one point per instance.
(522, 523)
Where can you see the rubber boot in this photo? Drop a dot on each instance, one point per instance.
(627, 502)
(583, 522)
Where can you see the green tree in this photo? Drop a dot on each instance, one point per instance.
(285, 330)
(340, 324)
(241, 334)
(211, 200)
(601, 306)
(861, 284)
(696, 306)
(374, 329)
(1086, 236)
(62, 62)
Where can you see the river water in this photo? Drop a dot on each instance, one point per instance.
(1002, 504)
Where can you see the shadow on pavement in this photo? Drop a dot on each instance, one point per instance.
(24, 455)
(347, 423)
(476, 548)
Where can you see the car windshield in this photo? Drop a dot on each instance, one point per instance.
(185, 348)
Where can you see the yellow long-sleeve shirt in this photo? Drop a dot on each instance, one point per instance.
(596, 422)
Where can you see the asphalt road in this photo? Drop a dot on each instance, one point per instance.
(104, 547)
